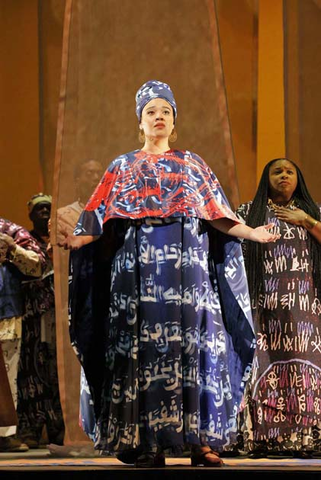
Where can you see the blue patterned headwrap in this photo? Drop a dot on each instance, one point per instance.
(154, 89)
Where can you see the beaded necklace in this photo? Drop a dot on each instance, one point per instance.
(290, 205)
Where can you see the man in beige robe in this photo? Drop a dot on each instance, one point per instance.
(87, 175)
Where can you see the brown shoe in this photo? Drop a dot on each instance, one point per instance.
(31, 442)
(205, 457)
(150, 460)
(12, 444)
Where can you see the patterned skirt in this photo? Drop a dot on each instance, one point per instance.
(172, 375)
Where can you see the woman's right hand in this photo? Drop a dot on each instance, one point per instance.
(70, 241)
(264, 234)
(74, 242)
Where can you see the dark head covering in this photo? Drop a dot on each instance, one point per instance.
(38, 198)
(154, 89)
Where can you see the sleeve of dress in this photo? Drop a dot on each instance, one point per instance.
(28, 256)
(242, 211)
(92, 218)
(216, 189)
(27, 261)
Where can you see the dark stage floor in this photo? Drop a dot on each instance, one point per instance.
(37, 464)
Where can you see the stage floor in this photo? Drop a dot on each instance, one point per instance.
(36, 463)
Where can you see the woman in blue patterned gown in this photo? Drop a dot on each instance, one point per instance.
(159, 306)
(282, 413)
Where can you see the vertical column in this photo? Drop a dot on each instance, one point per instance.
(271, 129)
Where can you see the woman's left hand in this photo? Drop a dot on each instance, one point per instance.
(295, 217)
(7, 244)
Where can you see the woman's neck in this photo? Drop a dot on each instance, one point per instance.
(281, 199)
(156, 146)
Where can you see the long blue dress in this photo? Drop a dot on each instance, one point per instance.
(160, 319)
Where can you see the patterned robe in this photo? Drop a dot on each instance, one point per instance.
(38, 389)
(159, 306)
(283, 397)
(26, 262)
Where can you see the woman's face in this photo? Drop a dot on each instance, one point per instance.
(157, 119)
(283, 179)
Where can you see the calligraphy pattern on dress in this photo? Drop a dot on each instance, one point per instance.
(140, 185)
(169, 357)
(284, 393)
(160, 315)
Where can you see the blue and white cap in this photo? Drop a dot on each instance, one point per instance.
(154, 89)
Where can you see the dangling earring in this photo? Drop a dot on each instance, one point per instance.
(173, 136)
(141, 136)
